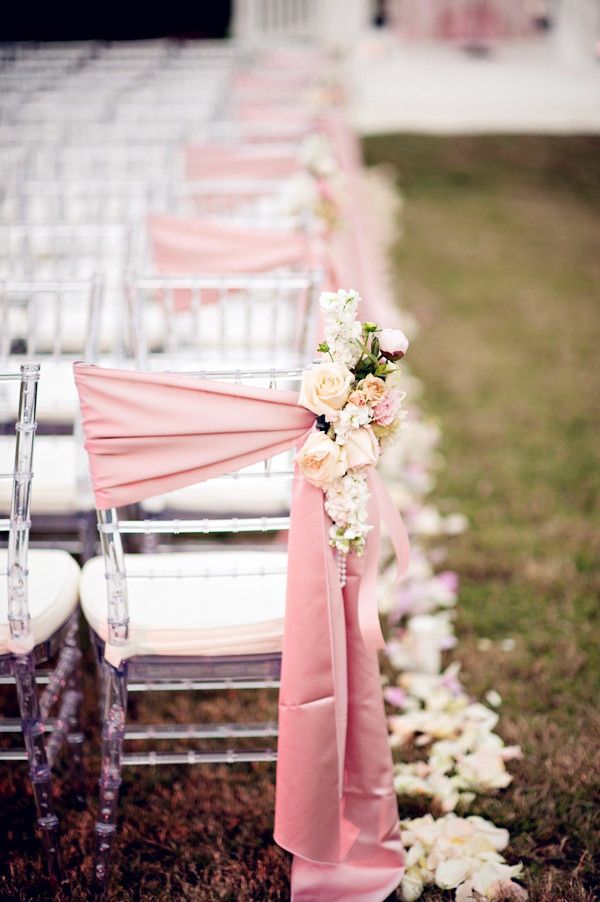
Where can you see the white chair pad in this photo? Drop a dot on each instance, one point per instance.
(212, 614)
(52, 590)
(254, 494)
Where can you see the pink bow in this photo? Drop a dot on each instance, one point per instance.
(148, 433)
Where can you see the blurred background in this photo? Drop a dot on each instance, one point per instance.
(484, 115)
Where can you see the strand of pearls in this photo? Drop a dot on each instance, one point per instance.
(341, 567)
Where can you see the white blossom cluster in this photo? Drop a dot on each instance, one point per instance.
(350, 417)
(342, 329)
(347, 502)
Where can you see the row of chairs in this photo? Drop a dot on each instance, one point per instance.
(190, 586)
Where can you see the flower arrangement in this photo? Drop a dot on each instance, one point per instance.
(356, 396)
(318, 189)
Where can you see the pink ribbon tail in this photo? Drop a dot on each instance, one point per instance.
(381, 510)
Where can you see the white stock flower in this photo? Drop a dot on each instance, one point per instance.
(351, 417)
(346, 502)
(340, 305)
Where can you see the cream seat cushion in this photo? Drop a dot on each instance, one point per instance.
(212, 612)
(52, 592)
(253, 493)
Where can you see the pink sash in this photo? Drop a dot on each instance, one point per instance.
(207, 161)
(193, 246)
(148, 433)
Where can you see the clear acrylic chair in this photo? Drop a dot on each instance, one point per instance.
(212, 322)
(81, 201)
(202, 620)
(38, 623)
(65, 251)
(56, 322)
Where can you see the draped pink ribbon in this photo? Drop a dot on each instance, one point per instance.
(148, 433)
(210, 161)
(182, 246)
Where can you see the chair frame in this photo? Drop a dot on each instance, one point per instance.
(173, 673)
(62, 684)
(309, 282)
(80, 522)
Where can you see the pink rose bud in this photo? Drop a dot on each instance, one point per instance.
(393, 343)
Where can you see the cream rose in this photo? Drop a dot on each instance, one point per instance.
(362, 447)
(320, 460)
(374, 388)
(325, 389)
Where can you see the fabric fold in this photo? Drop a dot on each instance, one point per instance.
(147, 433)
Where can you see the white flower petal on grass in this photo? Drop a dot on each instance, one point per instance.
(412, 885)
(466, 893)
(489, 875)
(449, 874)
(505, 890)
(414, 854)
(497, 836)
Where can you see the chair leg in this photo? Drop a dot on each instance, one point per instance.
(87, 535)
(75, 736)
(39, 770)
(113, 729)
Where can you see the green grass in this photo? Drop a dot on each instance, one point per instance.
(499, 260)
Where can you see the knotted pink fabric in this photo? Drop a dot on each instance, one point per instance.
(183, 246)
(193, 246)
(209, 161)
(148, 433)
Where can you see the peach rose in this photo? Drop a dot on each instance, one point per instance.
(358, 398)
(362, 447)
(321, 460)
(325, 389)
(374, 388)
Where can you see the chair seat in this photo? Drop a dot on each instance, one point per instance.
(52, 586)
(205, 603)
(252, 494)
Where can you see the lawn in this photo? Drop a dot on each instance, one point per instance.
(499, 260)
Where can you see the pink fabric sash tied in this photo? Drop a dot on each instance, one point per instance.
(148, 433)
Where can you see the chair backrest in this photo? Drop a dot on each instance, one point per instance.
(82, 200)
(85, 159)
(54, 322)
(212, 322)
(64, 250)
(18, 524)
(54, 318)
(254, 204)
(112, 529)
